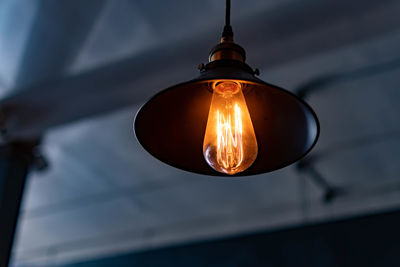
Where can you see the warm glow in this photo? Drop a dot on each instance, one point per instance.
(230, 144)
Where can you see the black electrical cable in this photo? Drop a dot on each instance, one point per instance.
(228, 28)
(228, 13)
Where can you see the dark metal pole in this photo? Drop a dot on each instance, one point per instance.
(15, 161)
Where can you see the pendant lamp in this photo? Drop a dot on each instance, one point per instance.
(227, 122)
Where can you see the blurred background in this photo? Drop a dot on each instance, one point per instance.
(74, 73)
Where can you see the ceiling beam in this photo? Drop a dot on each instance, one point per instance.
(58, 32)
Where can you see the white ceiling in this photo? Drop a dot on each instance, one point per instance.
(103, 194)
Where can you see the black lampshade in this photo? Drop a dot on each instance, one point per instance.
(172, 124)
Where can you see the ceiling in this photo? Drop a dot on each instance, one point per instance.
(75, 73)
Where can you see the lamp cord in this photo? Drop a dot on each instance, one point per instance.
(228, 29)
(228, 13)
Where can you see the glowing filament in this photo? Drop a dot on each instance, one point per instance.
(229, 139)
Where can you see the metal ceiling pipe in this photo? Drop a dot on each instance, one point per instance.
(16, 158)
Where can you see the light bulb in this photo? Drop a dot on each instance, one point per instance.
(230, 144)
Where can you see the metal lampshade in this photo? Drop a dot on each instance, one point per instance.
(171, 125)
